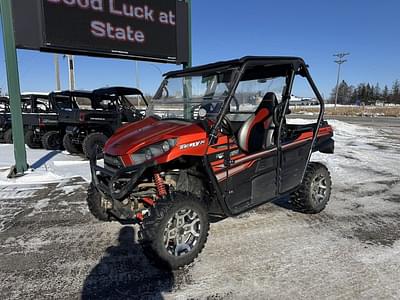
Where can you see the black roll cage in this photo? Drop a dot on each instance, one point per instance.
(32, 100)
(295, 66)
(97, 95)
(121, 92)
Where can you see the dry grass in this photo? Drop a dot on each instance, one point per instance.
(387, 111)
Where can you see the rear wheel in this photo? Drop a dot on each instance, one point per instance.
(94, 200)
(93, 145)
(175, 231)
(52, 140)
(69, 145)
(8, 138)
(31, 140)
(315, 190)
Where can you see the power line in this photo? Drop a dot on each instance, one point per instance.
(339, 61)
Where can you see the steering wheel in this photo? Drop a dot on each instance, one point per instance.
(278, 113)
(136, 114)
(226, 127)
(131, 111)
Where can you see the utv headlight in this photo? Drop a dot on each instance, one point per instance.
(153, 151)
(167, 145)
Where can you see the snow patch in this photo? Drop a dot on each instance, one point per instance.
(31, 177)
(70, 163)
(47, 166)
(69, 189)
(39, 206)
(33, 244)
(18, 192)
(42, 204)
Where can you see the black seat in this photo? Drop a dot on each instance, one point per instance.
(256, 133)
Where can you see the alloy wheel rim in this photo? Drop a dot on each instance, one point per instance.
(182, 232)
(319, 189)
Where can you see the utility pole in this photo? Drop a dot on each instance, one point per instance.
(57, 71)
(137, 80)
(340, 60)
(137, 74)
(14, 91)
(71, 69)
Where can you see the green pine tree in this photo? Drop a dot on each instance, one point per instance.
(386, 94)
(396, 92)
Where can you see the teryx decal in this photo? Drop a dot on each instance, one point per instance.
(192, 145)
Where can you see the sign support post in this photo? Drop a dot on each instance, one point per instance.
(187, 89)
(13, 87)
(190, 59)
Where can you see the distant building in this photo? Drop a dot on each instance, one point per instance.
(302, 101)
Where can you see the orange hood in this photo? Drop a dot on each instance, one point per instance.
(132, 137)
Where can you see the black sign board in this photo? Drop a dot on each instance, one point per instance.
(155, 30)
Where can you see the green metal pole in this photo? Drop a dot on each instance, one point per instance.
(188, 84)
(190, 60)
(13, 87)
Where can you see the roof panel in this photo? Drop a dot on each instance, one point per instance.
(272, 60)
(118, 90)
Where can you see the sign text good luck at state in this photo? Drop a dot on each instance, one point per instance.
(151, 30)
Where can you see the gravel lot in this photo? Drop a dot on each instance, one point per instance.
(51, 247)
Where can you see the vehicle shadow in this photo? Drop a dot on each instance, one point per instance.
(41, 161)
(125, 273)
(285, 203)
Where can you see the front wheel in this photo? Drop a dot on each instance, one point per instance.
(175, 231)
(314, 193)
(93, 145)
(52, 140)
(94, 201)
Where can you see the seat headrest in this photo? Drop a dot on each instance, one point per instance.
(270, 96)
(269, 102)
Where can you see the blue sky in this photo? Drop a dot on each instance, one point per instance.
(225, 29)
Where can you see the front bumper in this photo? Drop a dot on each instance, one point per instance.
(116, 184)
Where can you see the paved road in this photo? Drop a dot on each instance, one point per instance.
(51, 248)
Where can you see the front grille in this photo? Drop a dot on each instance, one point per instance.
(112, 162)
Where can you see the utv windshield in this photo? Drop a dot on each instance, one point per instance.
(182, 97)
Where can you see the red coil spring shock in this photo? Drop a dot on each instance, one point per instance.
(161, 190)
